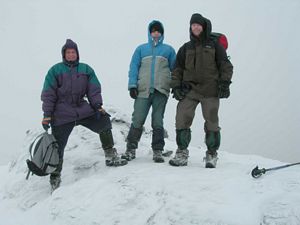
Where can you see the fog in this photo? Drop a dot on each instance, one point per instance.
(261, 116)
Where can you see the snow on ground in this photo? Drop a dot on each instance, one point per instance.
(144, 192)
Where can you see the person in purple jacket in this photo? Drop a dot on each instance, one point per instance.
(67, 86)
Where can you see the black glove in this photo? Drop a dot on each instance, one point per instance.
(101, 112)
(178, 93)
(133, 93)
(46, 123)
(186, 87)
(224, 91)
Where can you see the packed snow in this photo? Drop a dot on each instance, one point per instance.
(144, 192)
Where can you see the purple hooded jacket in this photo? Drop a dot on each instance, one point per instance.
(67, 87)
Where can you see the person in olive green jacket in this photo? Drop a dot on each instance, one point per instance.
(202, 75)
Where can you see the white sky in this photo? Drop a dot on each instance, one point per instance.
(262, 115)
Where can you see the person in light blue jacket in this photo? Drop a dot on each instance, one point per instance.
(149, 86)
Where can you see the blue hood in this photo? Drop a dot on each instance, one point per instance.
(150, 40)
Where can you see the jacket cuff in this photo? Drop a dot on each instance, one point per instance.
(47, 114)
(227, 82)
(132, 86)
(98, 106)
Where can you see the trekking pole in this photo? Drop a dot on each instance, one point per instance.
(27, 176)
(256, 172)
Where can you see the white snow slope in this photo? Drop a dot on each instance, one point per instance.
(144, 192)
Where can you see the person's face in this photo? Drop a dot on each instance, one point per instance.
(71, 55)
(196, 29)
(155, 34)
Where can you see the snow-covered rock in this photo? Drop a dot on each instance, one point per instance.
(144, 192)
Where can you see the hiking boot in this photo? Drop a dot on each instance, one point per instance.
(181, 158)
(55, 180)
(112, 158)
(128, 155)
(157, 156)
(55, 177)
(210, 160)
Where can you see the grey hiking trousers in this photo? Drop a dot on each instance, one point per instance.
(186, 112)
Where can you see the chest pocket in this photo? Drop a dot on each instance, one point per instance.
(209, 61)
(190, 59)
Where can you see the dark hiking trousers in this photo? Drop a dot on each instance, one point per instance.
(186, 111)
(184, 118)
(142, 106)
(94, 123)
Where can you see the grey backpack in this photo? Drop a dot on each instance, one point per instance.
(44, 155)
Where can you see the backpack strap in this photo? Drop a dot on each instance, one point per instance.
(28, 173)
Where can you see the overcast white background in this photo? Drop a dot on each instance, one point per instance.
(262, 116)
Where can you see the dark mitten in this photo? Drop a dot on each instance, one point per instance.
(224, 91)
(133, 93)
(101, 112)
(178, 93)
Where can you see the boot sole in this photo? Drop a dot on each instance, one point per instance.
(116, 164)
(209, 165)
(159, 161)
(127, 158)
(177, 165)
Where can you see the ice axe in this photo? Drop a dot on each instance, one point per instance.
(256, 172)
